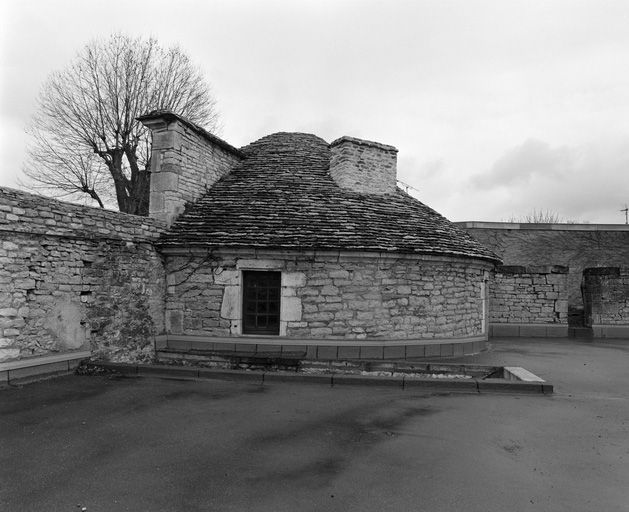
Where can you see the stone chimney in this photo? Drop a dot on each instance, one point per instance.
(185, 161)
(364, 166)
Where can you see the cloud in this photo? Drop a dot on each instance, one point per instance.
(586, 182)
(521, 164)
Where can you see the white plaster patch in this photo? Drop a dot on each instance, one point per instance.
(64, 323)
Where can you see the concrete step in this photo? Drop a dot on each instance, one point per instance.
(580, 332)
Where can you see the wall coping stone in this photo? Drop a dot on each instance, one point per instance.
(167, 116)
(532, 269)
(602, 271)
(29, 362)
(81, 221)
(541, 227)
(363, 142)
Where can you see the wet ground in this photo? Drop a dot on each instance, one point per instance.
(115, 444)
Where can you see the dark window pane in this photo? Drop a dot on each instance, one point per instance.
(261, 302)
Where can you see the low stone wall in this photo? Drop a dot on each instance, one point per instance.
(576, 246)
(332, 295)
(529, 301)
(606, 297)
(76, 278)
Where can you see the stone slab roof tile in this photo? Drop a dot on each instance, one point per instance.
(282, 196)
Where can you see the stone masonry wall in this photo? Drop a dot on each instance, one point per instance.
(574, 246)
(74, 277)
(184, 164)
(364, 166)
(332, 296)
(529, 295)
(606, 293)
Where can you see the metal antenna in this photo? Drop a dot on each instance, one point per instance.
(406, 186)
(626, 210)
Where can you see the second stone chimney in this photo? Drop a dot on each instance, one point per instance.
(185, 161)
(363, 166)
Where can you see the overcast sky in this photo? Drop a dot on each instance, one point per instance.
(497, 107)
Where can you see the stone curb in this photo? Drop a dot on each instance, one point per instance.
(338, 379)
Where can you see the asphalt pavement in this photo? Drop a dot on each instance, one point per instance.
(152, 444)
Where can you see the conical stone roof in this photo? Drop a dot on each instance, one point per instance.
(282, 196)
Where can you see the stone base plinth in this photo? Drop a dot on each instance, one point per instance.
(198, 347)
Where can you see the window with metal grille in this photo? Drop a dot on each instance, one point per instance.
(261, 302)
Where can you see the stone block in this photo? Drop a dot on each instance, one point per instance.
(260, 264)
(37, 370)
(348, 352)
(394, 352)
(293, 279)
(533, 331)
(156, 202)
(230, 306)
(10, 246)
(458, 349)
(446, 350)
(174, 322)
(371, 352)
(299, 351)
(8, 354)
(311, 352)
(329, 290)
(327, 352)
(505, 330)
(227, 277)
(611, 331)
(432, 350)
(362, 380)
(413, 351)
(291, 310)
(501, 386)
(459, 385)
(264, 348)
(557, 331)
(321, 331)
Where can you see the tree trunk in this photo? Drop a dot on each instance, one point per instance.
(132, 194)
(139, 185)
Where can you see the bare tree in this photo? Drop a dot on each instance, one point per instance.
(86, 140)
(543, 217)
